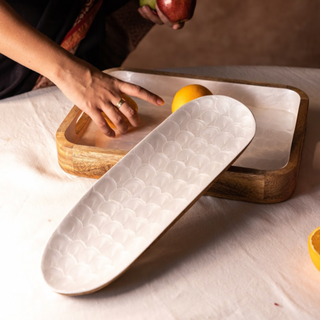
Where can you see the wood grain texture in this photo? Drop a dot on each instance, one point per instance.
(237, 183)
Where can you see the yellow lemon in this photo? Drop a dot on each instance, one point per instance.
(133, 105)
(188, 93)
(314, 247)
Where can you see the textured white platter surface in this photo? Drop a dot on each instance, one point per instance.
(275, 111)
(144, 193)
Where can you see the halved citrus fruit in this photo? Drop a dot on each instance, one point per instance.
(314, 247)
(133, 105)
(188, 93)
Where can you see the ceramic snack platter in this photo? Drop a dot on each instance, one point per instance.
(132, 204)
(275, 115)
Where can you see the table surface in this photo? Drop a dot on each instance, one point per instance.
(223, 259)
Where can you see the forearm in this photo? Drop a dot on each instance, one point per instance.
(24, 44)
(87, 87)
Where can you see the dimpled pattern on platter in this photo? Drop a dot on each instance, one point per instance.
(137, 199)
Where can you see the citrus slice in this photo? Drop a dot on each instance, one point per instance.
(133, 105)
(314, 247)
(188, 93)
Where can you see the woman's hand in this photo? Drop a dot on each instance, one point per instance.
(86, 86)
(94, 91)
(158, 17)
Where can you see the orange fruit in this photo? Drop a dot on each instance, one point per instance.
(188, 93)
(314, 247)
(133, 105)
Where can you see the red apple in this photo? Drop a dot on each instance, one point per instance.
(177, 10)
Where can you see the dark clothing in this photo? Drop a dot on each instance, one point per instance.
(53, 18)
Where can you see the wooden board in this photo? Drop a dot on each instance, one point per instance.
(238, 183)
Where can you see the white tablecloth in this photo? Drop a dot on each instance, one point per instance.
(222, 260)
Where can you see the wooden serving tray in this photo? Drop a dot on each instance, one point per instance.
(266, 172)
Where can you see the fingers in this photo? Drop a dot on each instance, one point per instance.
(116, 117)
(126, 114)
(178, 26)
(166, 21)
(158, 17)
(130, 113)
(123, 116)
(98, 119)
(113, 114)
(139, 92)
(147, 13)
